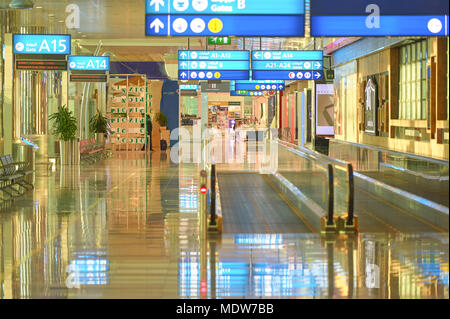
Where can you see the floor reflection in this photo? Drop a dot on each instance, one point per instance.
(127, 227)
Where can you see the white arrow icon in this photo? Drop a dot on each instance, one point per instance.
(318, 65)
(183, 65)
(183, 54)
(157, 3)
(317, 74)
(157, 24)
(280, 87)
(183, 75)
(257, 55)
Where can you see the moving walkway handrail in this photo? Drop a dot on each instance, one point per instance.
(330, 163)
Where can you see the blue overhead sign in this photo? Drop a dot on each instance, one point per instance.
(213, 65)
(290, 7)
(187, 87)
(246, 93)
(88, 63)
(42, 44)
(255, 86)
(287, 65)
(380, 18)
(225, 18)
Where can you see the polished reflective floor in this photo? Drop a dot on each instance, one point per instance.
(127, 227)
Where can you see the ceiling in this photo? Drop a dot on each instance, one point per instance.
(120, 26)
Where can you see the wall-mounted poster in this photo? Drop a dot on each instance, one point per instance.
(325, 110)
(371, 106)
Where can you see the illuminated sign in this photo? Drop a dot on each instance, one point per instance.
(45, 65)
(287, 65)
(89, 63)
(331, 18)
(42, 44)
(246, 93)
(88, 78)
(325, 109)
(189, 87)
(224, 18)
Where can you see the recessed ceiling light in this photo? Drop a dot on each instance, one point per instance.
(51, 15)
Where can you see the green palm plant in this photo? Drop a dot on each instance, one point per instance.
(161, 118)
(99, 124)
(64, 124)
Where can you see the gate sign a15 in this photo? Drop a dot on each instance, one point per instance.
(213, 65)
(41, 44)
(88, 63)
(225, 18)
(287, 65)
(330, 18)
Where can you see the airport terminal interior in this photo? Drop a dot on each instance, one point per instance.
(166, 149)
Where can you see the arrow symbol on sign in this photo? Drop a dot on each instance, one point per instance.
(157, 3)
(280, 87)
(183, 75)
(183, 54)
(317, 75)
(157, 24)
(318, 65)
(183, 64)
(257, 55)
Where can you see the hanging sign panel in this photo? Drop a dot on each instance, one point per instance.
(213, 65)
(41, 44)
(287, 65)
(225, 18)
(259, 85)
(88, 63)
(331, 18)
(246, 93)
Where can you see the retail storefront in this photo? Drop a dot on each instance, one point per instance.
(392, 93)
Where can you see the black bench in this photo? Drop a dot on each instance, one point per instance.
(14, 174)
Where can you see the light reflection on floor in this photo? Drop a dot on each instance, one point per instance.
(128, 228)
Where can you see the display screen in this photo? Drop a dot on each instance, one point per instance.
(89, 63)
(325, 109)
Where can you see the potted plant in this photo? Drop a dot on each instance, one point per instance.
(65, 128)
(99, 125)
(162, 120)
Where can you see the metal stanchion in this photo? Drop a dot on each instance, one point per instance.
(203, 234)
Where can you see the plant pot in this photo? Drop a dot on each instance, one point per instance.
(69, 152)
(100, 137)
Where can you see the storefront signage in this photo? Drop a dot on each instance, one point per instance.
(42, 44)
(224, 18)
(325, 110)
(331, 18)
(213, 65)
(287, 65)
(88, 63)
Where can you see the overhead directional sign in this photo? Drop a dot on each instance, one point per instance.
(225, 18)
(287, 65)
(261, 85)
(42, 44)
(213, 65)
(88, 63)
(219, 40)
(379, 18)
(188, 87)
(246, 93)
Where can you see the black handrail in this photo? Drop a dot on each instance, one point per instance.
(351, 195)
(213, 195)
(330, 221)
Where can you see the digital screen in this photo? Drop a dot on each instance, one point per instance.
(325, 109)
(42, 65)
(88, 78)
(88, 63)
(42, 44)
